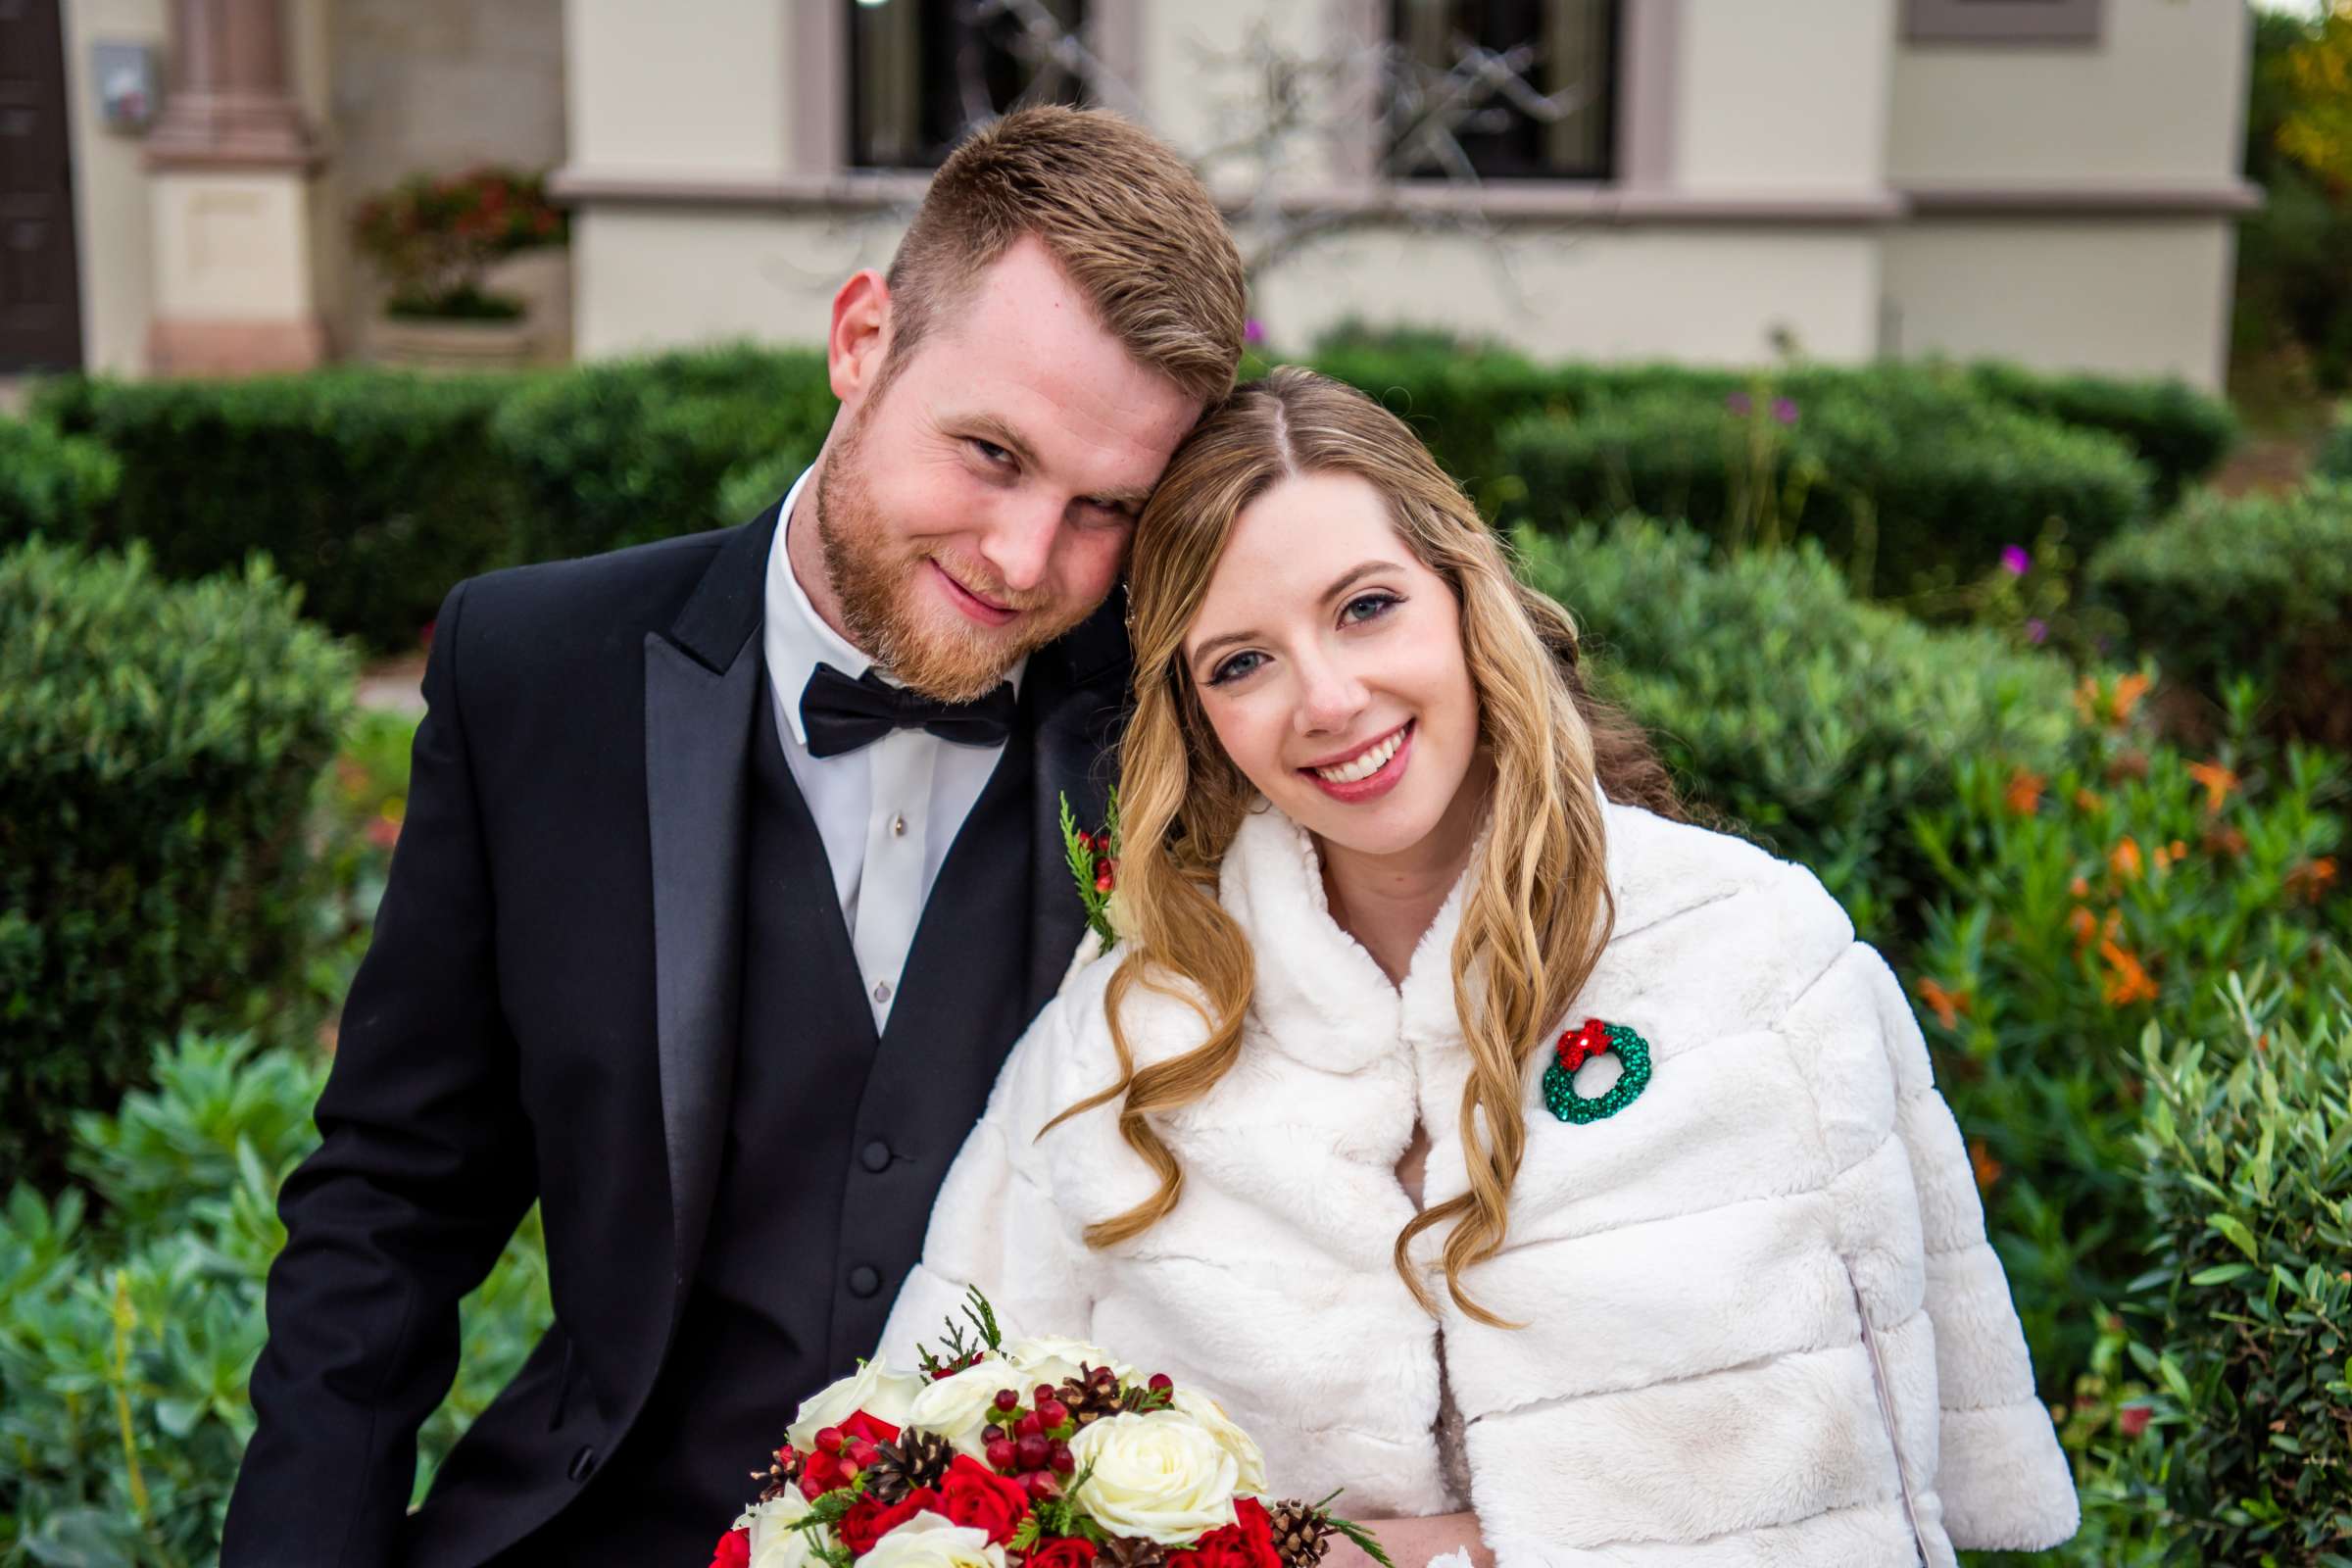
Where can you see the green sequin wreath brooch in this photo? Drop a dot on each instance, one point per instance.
(1590, 1038)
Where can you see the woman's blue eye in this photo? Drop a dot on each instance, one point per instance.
(1234, 668)
(1369, 607)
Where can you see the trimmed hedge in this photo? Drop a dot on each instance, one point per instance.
(2261, 587)
(50, 483)
(373, 490)
(1911, 482)
(1820, 723)
(159, 745)
(2181, 433)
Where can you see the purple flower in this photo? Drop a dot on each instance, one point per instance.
(1738, 403)
(2015, 562)
(1254, 331)
(2037, 631)
(1784, 409)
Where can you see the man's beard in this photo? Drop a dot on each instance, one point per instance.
(874, 585)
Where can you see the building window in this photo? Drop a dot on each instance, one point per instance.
(2001, 21)
(923, 73)
(1505, 89)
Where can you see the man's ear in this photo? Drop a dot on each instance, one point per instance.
(860, 335)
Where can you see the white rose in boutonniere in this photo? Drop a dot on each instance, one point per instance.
(957, 1408)
(1051, 1358)
(775, 1543)
(927, 1540)
(874, 1389)
(1250, 1463)
(1160, 1476)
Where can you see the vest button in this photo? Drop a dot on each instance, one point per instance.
(583, 1464)
(865, 1281)
(875, 1156)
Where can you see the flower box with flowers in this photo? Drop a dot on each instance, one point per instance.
(1044, 1454)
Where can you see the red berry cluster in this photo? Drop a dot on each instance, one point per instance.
(1582, 1043)
(1106, 865)
(1033, 1445)
(841, 1452)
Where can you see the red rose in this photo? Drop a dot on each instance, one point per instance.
(973, 1494)
(1248, 1543)
(868, 1521)
(1062, 1551)
(822, 1472)
(734, 1551)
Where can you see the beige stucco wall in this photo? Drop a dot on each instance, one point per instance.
(2122, 297)
(701, 87)
(113, 223)
(1780, 99)
(655, 277)
(2161, 100)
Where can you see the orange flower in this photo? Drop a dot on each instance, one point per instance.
(2128, 692)
(2312, 879)
(2130, 982)
(2218, 780)
(2170, 854)
(2123, 859)
(1987, 1168)
(1947, 1005)
(2082, 923)
(2024, 794)
(2097, 704)
(2085, 800)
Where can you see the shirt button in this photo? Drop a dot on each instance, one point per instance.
(898, 826)
(864, 1281)
(875, 1156)
(881, 991)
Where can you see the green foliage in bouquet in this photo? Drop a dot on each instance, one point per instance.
(2075, 906)
(1816, 722)
(2245, 1152)
(130, 1314)
(159, 745)
(2258, 587)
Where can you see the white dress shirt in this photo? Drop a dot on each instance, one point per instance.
(887, 812)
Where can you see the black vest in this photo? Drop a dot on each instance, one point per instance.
(826, 1182)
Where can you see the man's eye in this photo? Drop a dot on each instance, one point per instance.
(990, 452)
(1235, 668)
(1369, 607)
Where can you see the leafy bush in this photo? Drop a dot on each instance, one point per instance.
(1819, 723)
(2074, 906)
(2259, 587)
(2246, 1155)
(373, 490)
(1911, 480)
(51, 484)
(158, 747)
(2180, 432)
(2334, 460)
(130, 1314)
(622, 453)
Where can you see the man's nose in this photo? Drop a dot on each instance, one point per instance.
(1019, 542)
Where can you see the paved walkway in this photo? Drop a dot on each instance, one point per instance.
(396, 686)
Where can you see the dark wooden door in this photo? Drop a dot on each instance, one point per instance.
(40, 292)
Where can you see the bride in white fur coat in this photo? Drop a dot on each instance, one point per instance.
(1704, 1282)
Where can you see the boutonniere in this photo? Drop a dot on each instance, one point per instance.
(1095, 863)
(1590, 1038)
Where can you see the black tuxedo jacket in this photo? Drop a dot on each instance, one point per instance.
(546, 1012)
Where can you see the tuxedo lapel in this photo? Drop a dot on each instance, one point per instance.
(1082, 707)
(700, 683)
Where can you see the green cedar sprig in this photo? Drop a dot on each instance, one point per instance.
(1088, 862)
(962, 1352)
(1060, 1516)
(1364, 1539)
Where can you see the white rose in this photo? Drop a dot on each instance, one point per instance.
(1160, 1476)
(957, 1407)
(1250, 1464)
(774, 1542)
(873, 1388)
(1050, 1359)
(928, 1541)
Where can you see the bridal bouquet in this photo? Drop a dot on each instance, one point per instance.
(1046, 1454)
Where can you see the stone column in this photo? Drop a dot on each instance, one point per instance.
(231, 165)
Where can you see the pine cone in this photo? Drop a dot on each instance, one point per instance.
(1132, 1551)
(1302, 1533)
(915, 1459)
(1090, 1397)
(782, 1475)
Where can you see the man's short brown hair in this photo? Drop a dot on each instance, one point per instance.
(1120, 213)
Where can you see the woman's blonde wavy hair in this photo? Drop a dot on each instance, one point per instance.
(1538, 912)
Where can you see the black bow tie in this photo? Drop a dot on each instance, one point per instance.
(840, 714)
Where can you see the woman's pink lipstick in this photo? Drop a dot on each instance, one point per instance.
(1391, 773)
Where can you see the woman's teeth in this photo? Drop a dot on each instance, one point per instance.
(1364, 766)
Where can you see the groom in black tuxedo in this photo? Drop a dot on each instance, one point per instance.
(730, 874)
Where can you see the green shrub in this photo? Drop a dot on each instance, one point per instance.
(159, 744)
(1457, 403)
(1818, 723)
(130, 1314)
(2334, 459)
(1910, 480)
(51, 484)
(2246, 1158)
(2073, 906)
(376, 491)
(622, 453)
(2259, 587)
(2180, 432)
